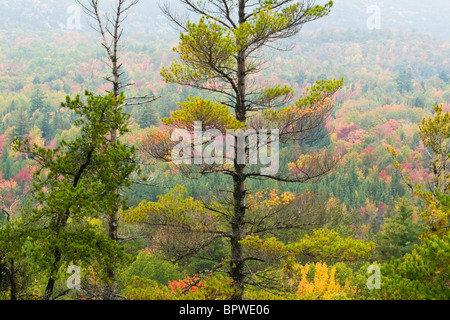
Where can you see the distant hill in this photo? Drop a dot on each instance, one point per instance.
(43, 15)
(430, 17)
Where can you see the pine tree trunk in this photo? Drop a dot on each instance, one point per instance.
(239, 192)
(238, 233)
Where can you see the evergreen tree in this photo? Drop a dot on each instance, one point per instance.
(404, 81)
(147, 116)
(220, 53)
(444, 76)
(37, 100)
(45, 123)
(36, 80)
(21, 124)
(75, 183)
(6, 164)
(415, 140)
(420, 275)
(11, 107)
(47, 126)
(400, 233)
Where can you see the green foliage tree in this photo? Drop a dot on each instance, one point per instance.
(400, 233)
(36, 80)
(420, 275)
(46, 123)
(147, 116)
(22, 123)
(37, 100)
(110, 29)
(75, 183)
(6, 164)
(404, 81)
(15, 275)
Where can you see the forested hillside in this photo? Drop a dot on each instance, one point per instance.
(383, 202)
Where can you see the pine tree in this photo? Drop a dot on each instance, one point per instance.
(220, 53)
(147, 116)
(37, 100)
(46, 124)
(36, 80)
(404, 81)
(75, 183)
(420, 275)
(400, 233)
(21, 124)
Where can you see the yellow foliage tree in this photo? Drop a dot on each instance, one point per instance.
(324, 285)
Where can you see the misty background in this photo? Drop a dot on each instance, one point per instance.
(428, 17)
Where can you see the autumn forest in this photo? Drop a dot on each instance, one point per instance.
(95, 206)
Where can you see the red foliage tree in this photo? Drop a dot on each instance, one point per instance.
(345, 131)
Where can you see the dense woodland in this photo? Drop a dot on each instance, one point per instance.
(384, 202)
